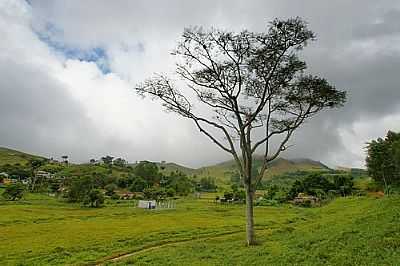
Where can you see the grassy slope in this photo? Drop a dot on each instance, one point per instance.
(223, 171)
(9, 156)
(43, 231)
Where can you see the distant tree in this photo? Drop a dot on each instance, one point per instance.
(35, 164)
(54, 185)
(79, 187)
(171, 192)
(180, 182)
(383, 159)
(271, 192)
(65, 159)
(318, 184)
(343, 184)
(122, 182)
(92, 161)
(155, 193)
(148, 171)
(228, 195)
(107, 159)
(234, 187)
(17, 171)
(138, 184)
(248, 81)
(162, 167)
(120, 162)
(94, 198)
(207, 183)
(14, 191)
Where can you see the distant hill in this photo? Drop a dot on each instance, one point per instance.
(172, 167)
(222, 171)
(9, 156)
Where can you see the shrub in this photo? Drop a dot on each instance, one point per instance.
(170, 192)
(267, 202)
(122, 182)
(115, 196)
(138, 184)
(110, 189)
(321, 186)
(154, 193)
(14, 191)
(94, 198)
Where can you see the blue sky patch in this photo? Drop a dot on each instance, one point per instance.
(98, 55)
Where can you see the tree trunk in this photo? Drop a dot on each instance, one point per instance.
(249, 217)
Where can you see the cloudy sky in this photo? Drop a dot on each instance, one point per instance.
(68, 69)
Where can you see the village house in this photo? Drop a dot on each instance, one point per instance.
(44, 174)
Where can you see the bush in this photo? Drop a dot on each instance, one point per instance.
(110, 189)
(122, 182)
(77, 188)
(94, 198)
(170, 192)
(267, 202)
(320, 185)
(115, 196)
(154, 193)
(138, 184)
(207, 184)
(14, 191)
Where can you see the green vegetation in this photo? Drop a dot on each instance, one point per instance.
(94, 198)
(17, 164)
(9, 156)
(51, 230)
(42, 230)
(14, 191)
(351, 231)
(383, 160)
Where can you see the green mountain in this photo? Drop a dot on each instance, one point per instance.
(223, 171)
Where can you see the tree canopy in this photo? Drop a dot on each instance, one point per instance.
(383, 159)
(245, 82)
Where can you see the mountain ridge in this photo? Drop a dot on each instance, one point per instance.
(222, 171)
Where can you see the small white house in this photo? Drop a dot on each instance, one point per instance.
(44, 174)
(147, 204)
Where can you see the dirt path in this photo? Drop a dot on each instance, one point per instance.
(162, 245)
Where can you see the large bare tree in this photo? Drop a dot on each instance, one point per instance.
(248, 82)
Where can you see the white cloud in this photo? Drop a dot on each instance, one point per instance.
(70, 106)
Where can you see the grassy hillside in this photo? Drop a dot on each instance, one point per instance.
(223, 171)
(349, 231)
(9, 156)
(172, 167)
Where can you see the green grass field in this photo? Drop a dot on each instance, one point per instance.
(349, 231)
